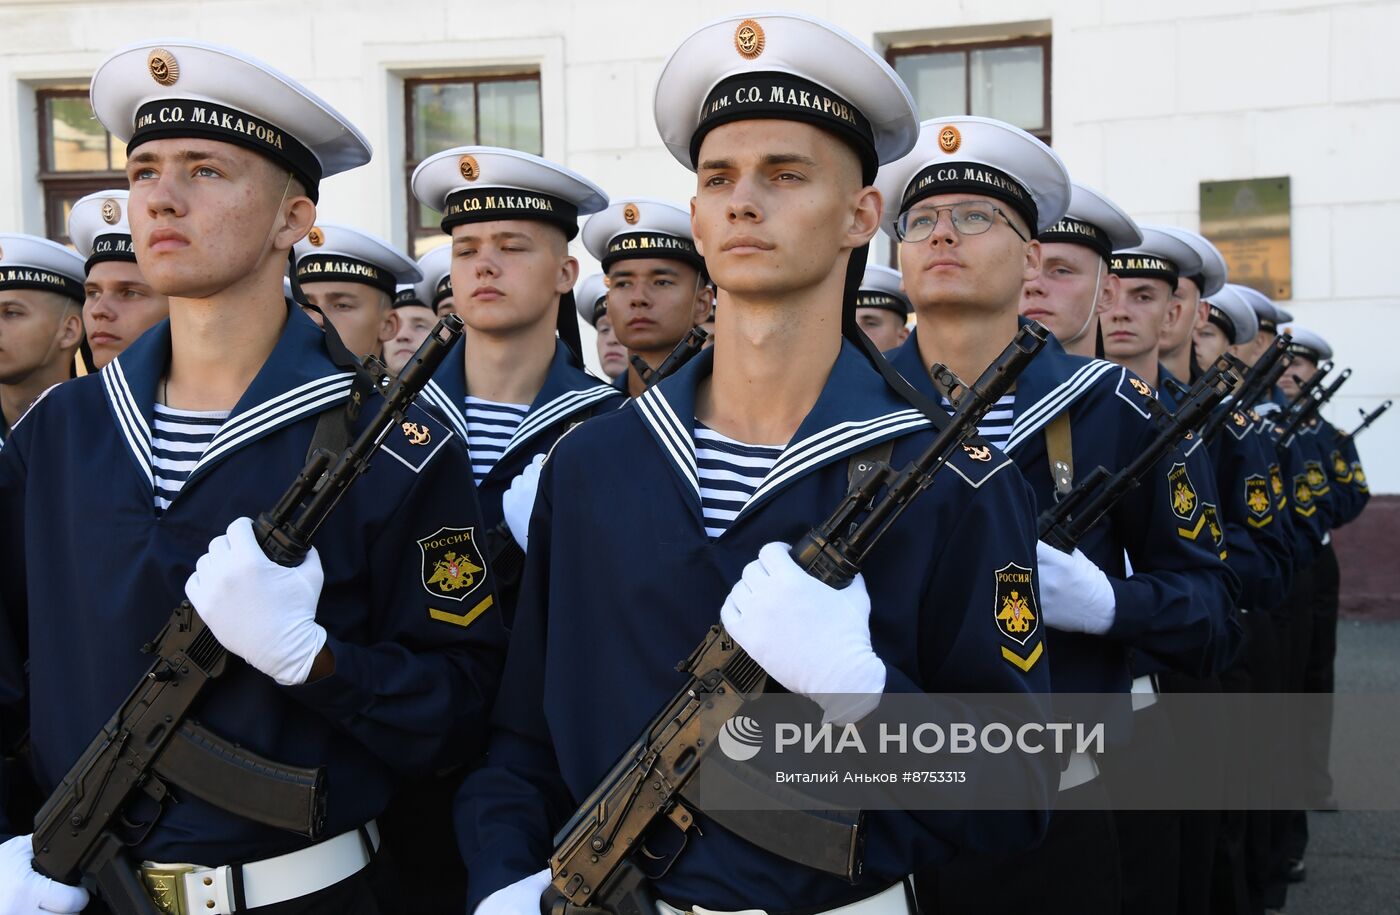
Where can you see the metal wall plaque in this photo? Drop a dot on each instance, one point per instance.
(1249, 221)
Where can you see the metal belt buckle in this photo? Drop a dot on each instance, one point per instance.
(166, 887)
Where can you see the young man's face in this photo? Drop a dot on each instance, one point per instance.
(1132, 325)
(203, 213)
(611, 353)
(1073, 283)
(361, 314)
(445, 307)
(1299, 372)
(508, 275)
(1211, 343)
(1188, 313)
(983, 272)
(778, 202)
(653, 303)
(1251, 351)
(884, 328)
(36, 328)
(118, 307)
(415, 323)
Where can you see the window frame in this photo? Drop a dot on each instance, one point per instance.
(966, 48)
(55, 185)
(411, 83)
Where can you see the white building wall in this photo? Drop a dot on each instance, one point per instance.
(1150, 97)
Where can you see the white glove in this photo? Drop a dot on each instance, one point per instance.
(811, 638)
(1075, 595)
(520, 898)
(25, 891)
(519, 501)
(260, 611)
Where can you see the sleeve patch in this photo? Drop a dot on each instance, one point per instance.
(453, 565)
(1017, 616)
(1317, 478)
(1182, 492)
(1303, 496)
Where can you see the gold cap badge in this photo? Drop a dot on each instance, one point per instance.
(631, 214)
(470, 170)
(749, 39)
(949, 139)
(316, 237)
(165, 69)
(111, 212)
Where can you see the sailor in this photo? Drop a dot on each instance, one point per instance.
(377, 657)
(882, 308)
(591, 299)
(351, 277)
(966, 207)
(656, 284)
(1312, 667)
(1192, 294)
(1256, 543)
(118, 304)
(1074, 285)
(520, 383)
(784, 119)
(435, 289)
(41, 298)
(415, 321)
(1151, 302)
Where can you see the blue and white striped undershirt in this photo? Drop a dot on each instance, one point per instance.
(179, 439)
(729, 471)
(490, 426)
(996, 423)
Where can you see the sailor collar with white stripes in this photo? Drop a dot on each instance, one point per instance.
(1047, 387)
(567, 391)
(297, 380)
(855, 411)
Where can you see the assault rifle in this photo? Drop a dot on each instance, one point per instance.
(152, 741)
(1064, 524)
(1307, 406)
(594, 864)
(692, 343)
(1367, 419)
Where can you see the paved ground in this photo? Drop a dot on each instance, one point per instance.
(1354, 856)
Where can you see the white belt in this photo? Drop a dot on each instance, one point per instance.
(1081, 770)
(188, 888)
(889, 902)
(1144, 692)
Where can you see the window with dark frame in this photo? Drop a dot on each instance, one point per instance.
(1008, 80)
(496, 109)
(77, 156)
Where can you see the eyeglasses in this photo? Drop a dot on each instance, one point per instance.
(971, 217)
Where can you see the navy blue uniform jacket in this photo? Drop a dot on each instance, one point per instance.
(91, 572)
(622, 581)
